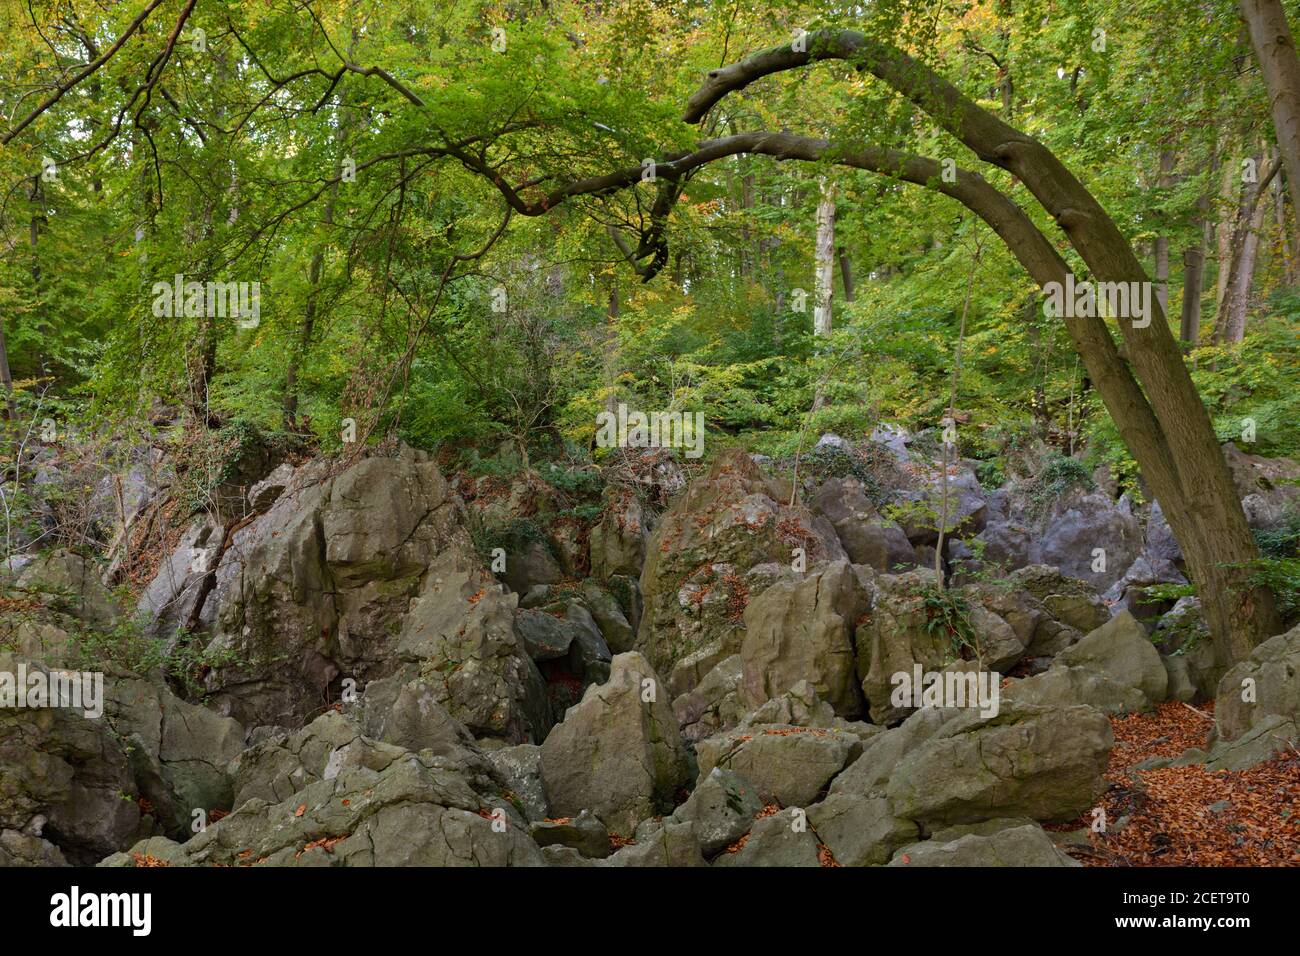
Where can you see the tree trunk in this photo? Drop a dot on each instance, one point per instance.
(1230, 324)
(7, 379)
(846, 273)
(1189, 325)
(825, 285)
(1165, 180)
(1270, 37)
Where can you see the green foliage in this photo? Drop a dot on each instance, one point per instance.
(948, 616)
(1282, 577)
(1059, 475)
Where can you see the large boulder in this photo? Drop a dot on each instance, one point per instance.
(1265, 685)
(945, 767)
(460, 638)
(1269, 487)
(317, 589)
(696, 580)
(722, 807)
(1121, 651)
(72, 583)
(66, 778)
(860, 830)
(954, 493)
(902, 631)
(788, 765)
(867, 537)
(416, 810)
(179, 752)
(802, 629)
(618, 752)
(618, 540)
(1070, 535)
(781, 839)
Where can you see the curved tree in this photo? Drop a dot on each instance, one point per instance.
(1143, 381)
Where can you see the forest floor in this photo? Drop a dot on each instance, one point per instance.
(1188, 816)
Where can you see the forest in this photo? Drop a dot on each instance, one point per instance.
(653, 411)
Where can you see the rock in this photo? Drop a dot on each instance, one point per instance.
(618, 541)
(967, 506)
(583, 833)
(63, 778)
(803, 630)
(1129, 592)
(946, 767)
(867, 538)
(1121, 651)
(715, 703)
(895, 637)
(1024, 845)
(894, 438)
(859, 830)
(418, 810)
(722, 808)
(535, 596)
(405, 710)
(801, 707)
(1269, 487)
(280, 766)
(613, 623)
(696, 581)
(672, 844)
(173, 598)
(74, 581)
(266, 492)
(178, 751)
(531, 565)
(318, 588)
(615, 752)
(790, 766)
(1161, 545)
(1181, 686)
(519, 770)
(1066, 538)
(1063, 686)
(460, 634)
(1266, 684)
(23, 849)
(545, 636)
(775, 840)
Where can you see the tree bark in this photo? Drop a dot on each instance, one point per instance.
(846, 273)
(1270, 38)
(1230, 324)
(825, 284)
(1189, 325)
(1165, 180)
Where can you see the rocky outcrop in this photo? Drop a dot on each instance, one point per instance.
(318, 588)
(1263, 689)
(697, 578)
(802, 629)
(618, 752)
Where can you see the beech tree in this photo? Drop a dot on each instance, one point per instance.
(525, 149)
